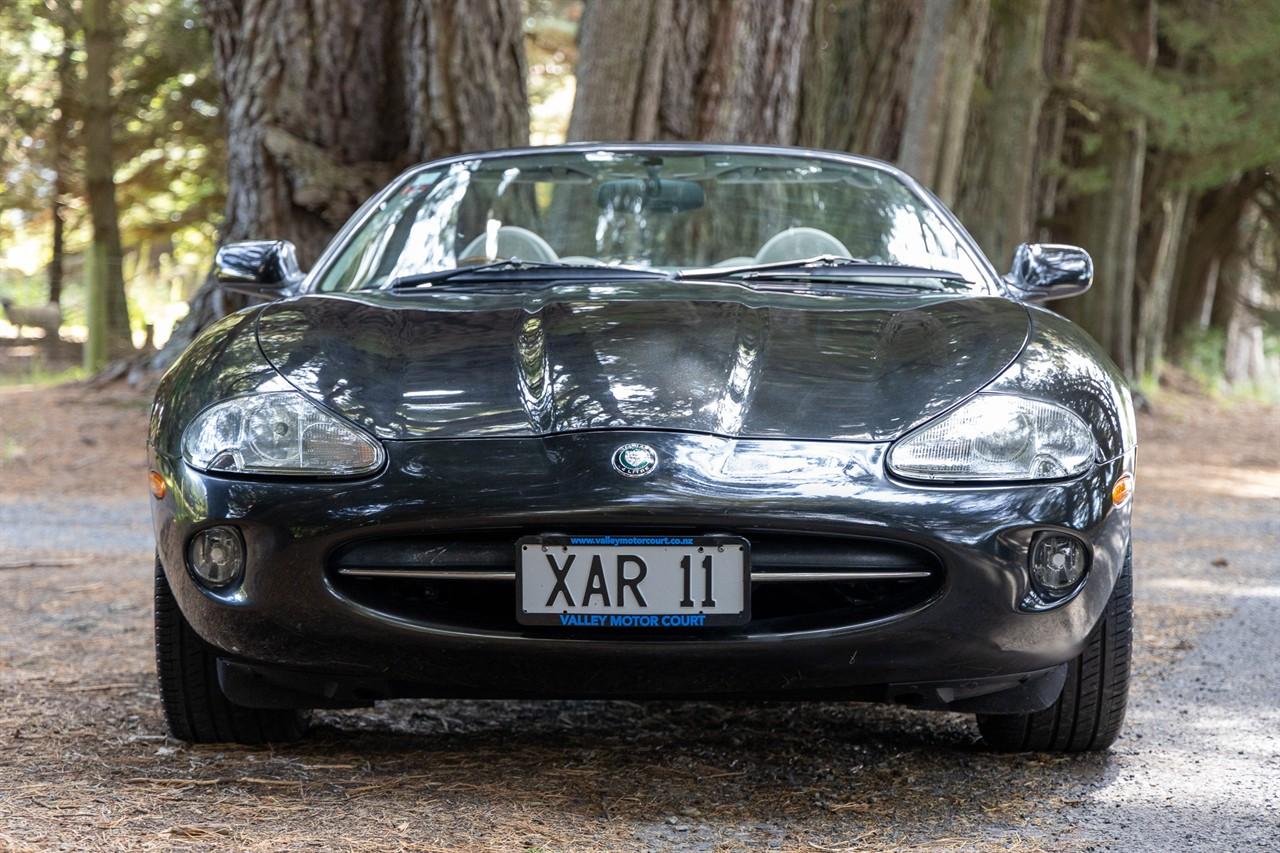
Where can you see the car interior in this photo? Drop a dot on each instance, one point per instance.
(513, 241)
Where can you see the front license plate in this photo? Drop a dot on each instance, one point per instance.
(663, 582)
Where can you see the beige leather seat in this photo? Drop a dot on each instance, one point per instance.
(740, 261)
(797, 243)
(512, 242)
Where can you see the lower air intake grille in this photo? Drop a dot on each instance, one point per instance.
(799, 581)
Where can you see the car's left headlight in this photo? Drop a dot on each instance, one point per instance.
(997, 437)
(280, 432)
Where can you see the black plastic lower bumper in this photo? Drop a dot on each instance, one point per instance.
(259, 686)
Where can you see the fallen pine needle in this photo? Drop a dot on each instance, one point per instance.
(241, 780)
(725, 774)
(40, 564)
(190, 831)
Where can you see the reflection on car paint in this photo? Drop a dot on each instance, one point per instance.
(718, 359)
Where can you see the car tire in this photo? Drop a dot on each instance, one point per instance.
(194, 705)
(1089, 713)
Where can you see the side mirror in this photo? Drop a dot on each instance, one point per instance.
(266, 269)
(1044, 271)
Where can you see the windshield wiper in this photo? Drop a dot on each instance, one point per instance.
(515, 268)
(830, 268)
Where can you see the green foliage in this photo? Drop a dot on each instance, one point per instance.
(1206, 355)
(169, 147)
(38, 373)
(1211, 100)
(29, 46)
(1204, 361)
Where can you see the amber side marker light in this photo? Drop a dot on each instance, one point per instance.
(1122, 490)
(158, 488)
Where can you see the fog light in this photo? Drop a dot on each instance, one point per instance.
(216, 555)
(1057, 563)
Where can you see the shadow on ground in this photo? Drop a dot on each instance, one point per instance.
(85, 763)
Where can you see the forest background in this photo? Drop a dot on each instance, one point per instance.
(136, 135)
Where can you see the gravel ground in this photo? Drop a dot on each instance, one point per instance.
(85, 764)
(1199, 766)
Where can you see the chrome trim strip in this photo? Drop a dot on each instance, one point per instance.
(775, 577)
(429, 574)
(761, 577)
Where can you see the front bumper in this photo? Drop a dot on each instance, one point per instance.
(978, 635)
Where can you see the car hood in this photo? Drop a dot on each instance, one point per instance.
(713, 358)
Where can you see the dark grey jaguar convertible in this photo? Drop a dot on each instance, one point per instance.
(646, 421)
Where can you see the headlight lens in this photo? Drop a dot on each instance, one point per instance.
(997, 437)
(280, 432)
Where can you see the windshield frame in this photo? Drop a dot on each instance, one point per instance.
(992, 285)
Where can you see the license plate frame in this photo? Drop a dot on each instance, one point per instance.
(627, 545)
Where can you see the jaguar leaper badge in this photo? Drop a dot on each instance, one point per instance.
(635, 460)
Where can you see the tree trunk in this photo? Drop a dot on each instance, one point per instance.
(1062, 30)
(326, 102)
(995, 197)
(1244, 357)
(105, 280)
(942, 79)
(465, 76)
(858, 75)
(58, 162)
(1214, 226)
(1112, 223)
(314, 118)
(922, 130)
(1109, 219)
(1165, 240)
(690, 70)
(618, 69)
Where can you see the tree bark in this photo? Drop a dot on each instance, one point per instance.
(1062, 29)
(922, 130)
(943, 73)
(1244, 357)
(1165, 240)
(1108, 220)
(464, 76)
(1112, 225)
(312, 124)
(996, 192)
(106, 279)
(690, 70)
(58, 162)
(858, 75)
(326, 101)
(889, 79)
(618, 69)
(1213, 222)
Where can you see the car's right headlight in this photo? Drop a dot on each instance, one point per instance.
(279, 432)
(997, 437)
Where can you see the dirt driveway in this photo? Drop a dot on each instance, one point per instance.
(85, 764)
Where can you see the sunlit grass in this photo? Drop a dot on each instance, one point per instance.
(41, 375)
(11, 449)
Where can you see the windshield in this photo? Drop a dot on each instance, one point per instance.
(651, 209)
